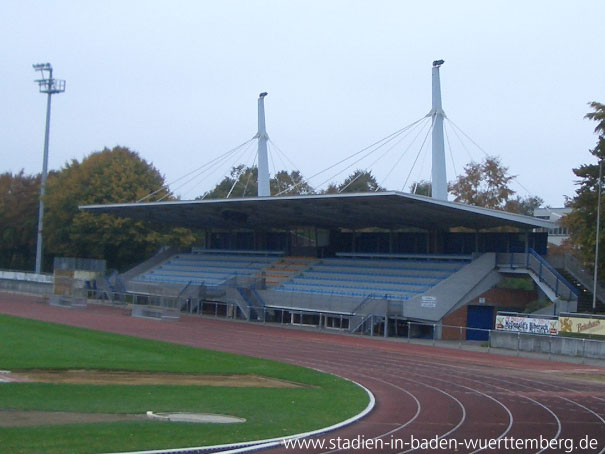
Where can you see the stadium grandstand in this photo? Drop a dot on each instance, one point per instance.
(358, 262)
(339, 260)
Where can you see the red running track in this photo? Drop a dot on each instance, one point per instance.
(423, 392)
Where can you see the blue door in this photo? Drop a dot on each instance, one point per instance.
(479, 317)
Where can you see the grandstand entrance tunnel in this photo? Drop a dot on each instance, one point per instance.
(389, 263)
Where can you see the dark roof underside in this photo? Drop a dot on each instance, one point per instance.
(389, 210)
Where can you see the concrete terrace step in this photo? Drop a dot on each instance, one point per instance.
(362, 286)
(387, 283)
(323, 292)
(446, 267)
(379, 278)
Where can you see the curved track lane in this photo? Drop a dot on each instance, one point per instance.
(422, 392)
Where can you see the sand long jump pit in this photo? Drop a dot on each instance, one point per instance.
(15, 418)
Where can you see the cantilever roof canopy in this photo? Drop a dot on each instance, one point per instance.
(388, 210)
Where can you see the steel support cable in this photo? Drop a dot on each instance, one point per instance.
(516, 180)
(249, 176)
(235, 181)
(283, 159)
(423, 155)
(468, 137)
(209, 169)
(396, 133)
(406, 150)
(233, 150)
(470, 155)
(415, 160)
(273, 144)
(357, 161)
(272, 160)
(214, 164)
(254, 158)
(240, 171)
(449, 146)
(371, 151)
(283, 162)
(484, 152)
(201, 168)
(388, 150)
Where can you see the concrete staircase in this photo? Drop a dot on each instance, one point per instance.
(585, 294)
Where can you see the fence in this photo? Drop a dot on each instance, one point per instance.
(583, 348)
(434, 334)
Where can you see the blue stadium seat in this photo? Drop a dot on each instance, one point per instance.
(205, 268)
(398, 279)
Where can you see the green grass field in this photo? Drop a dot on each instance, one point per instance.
(270, 412)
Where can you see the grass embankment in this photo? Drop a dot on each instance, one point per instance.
(26, 344)
(598, 337)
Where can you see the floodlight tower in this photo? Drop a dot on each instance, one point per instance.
(263, 159)
(49, 86)
(438, 175)
(596, 252)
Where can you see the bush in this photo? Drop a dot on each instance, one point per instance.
(516, 283)
(535, 306)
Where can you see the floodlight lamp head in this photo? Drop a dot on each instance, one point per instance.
(263, 94)
(42, 66)
(438, 63)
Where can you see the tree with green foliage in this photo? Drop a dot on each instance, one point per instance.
(243, 182)
(525, 206)
(19, 197)
(422, 187)
(290, 183)
(118, 175)
(486, 184)
(582, 220)
(358, 181)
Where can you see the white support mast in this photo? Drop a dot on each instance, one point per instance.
(263, 159)
(438, 175)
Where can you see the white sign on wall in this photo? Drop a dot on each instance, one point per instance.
(428, 301)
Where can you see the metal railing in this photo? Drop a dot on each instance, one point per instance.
(579, 272)
(545, 272)
(434, 334)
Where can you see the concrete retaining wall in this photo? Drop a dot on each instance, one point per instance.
(23, 276)
(557, 345)
(35, 288)
(16, 281)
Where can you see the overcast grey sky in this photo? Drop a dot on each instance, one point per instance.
(178, 81)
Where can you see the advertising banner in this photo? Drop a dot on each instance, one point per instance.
(527, 324)
(582, 325)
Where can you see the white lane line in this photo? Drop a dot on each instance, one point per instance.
(386, 434)
(588, 410)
